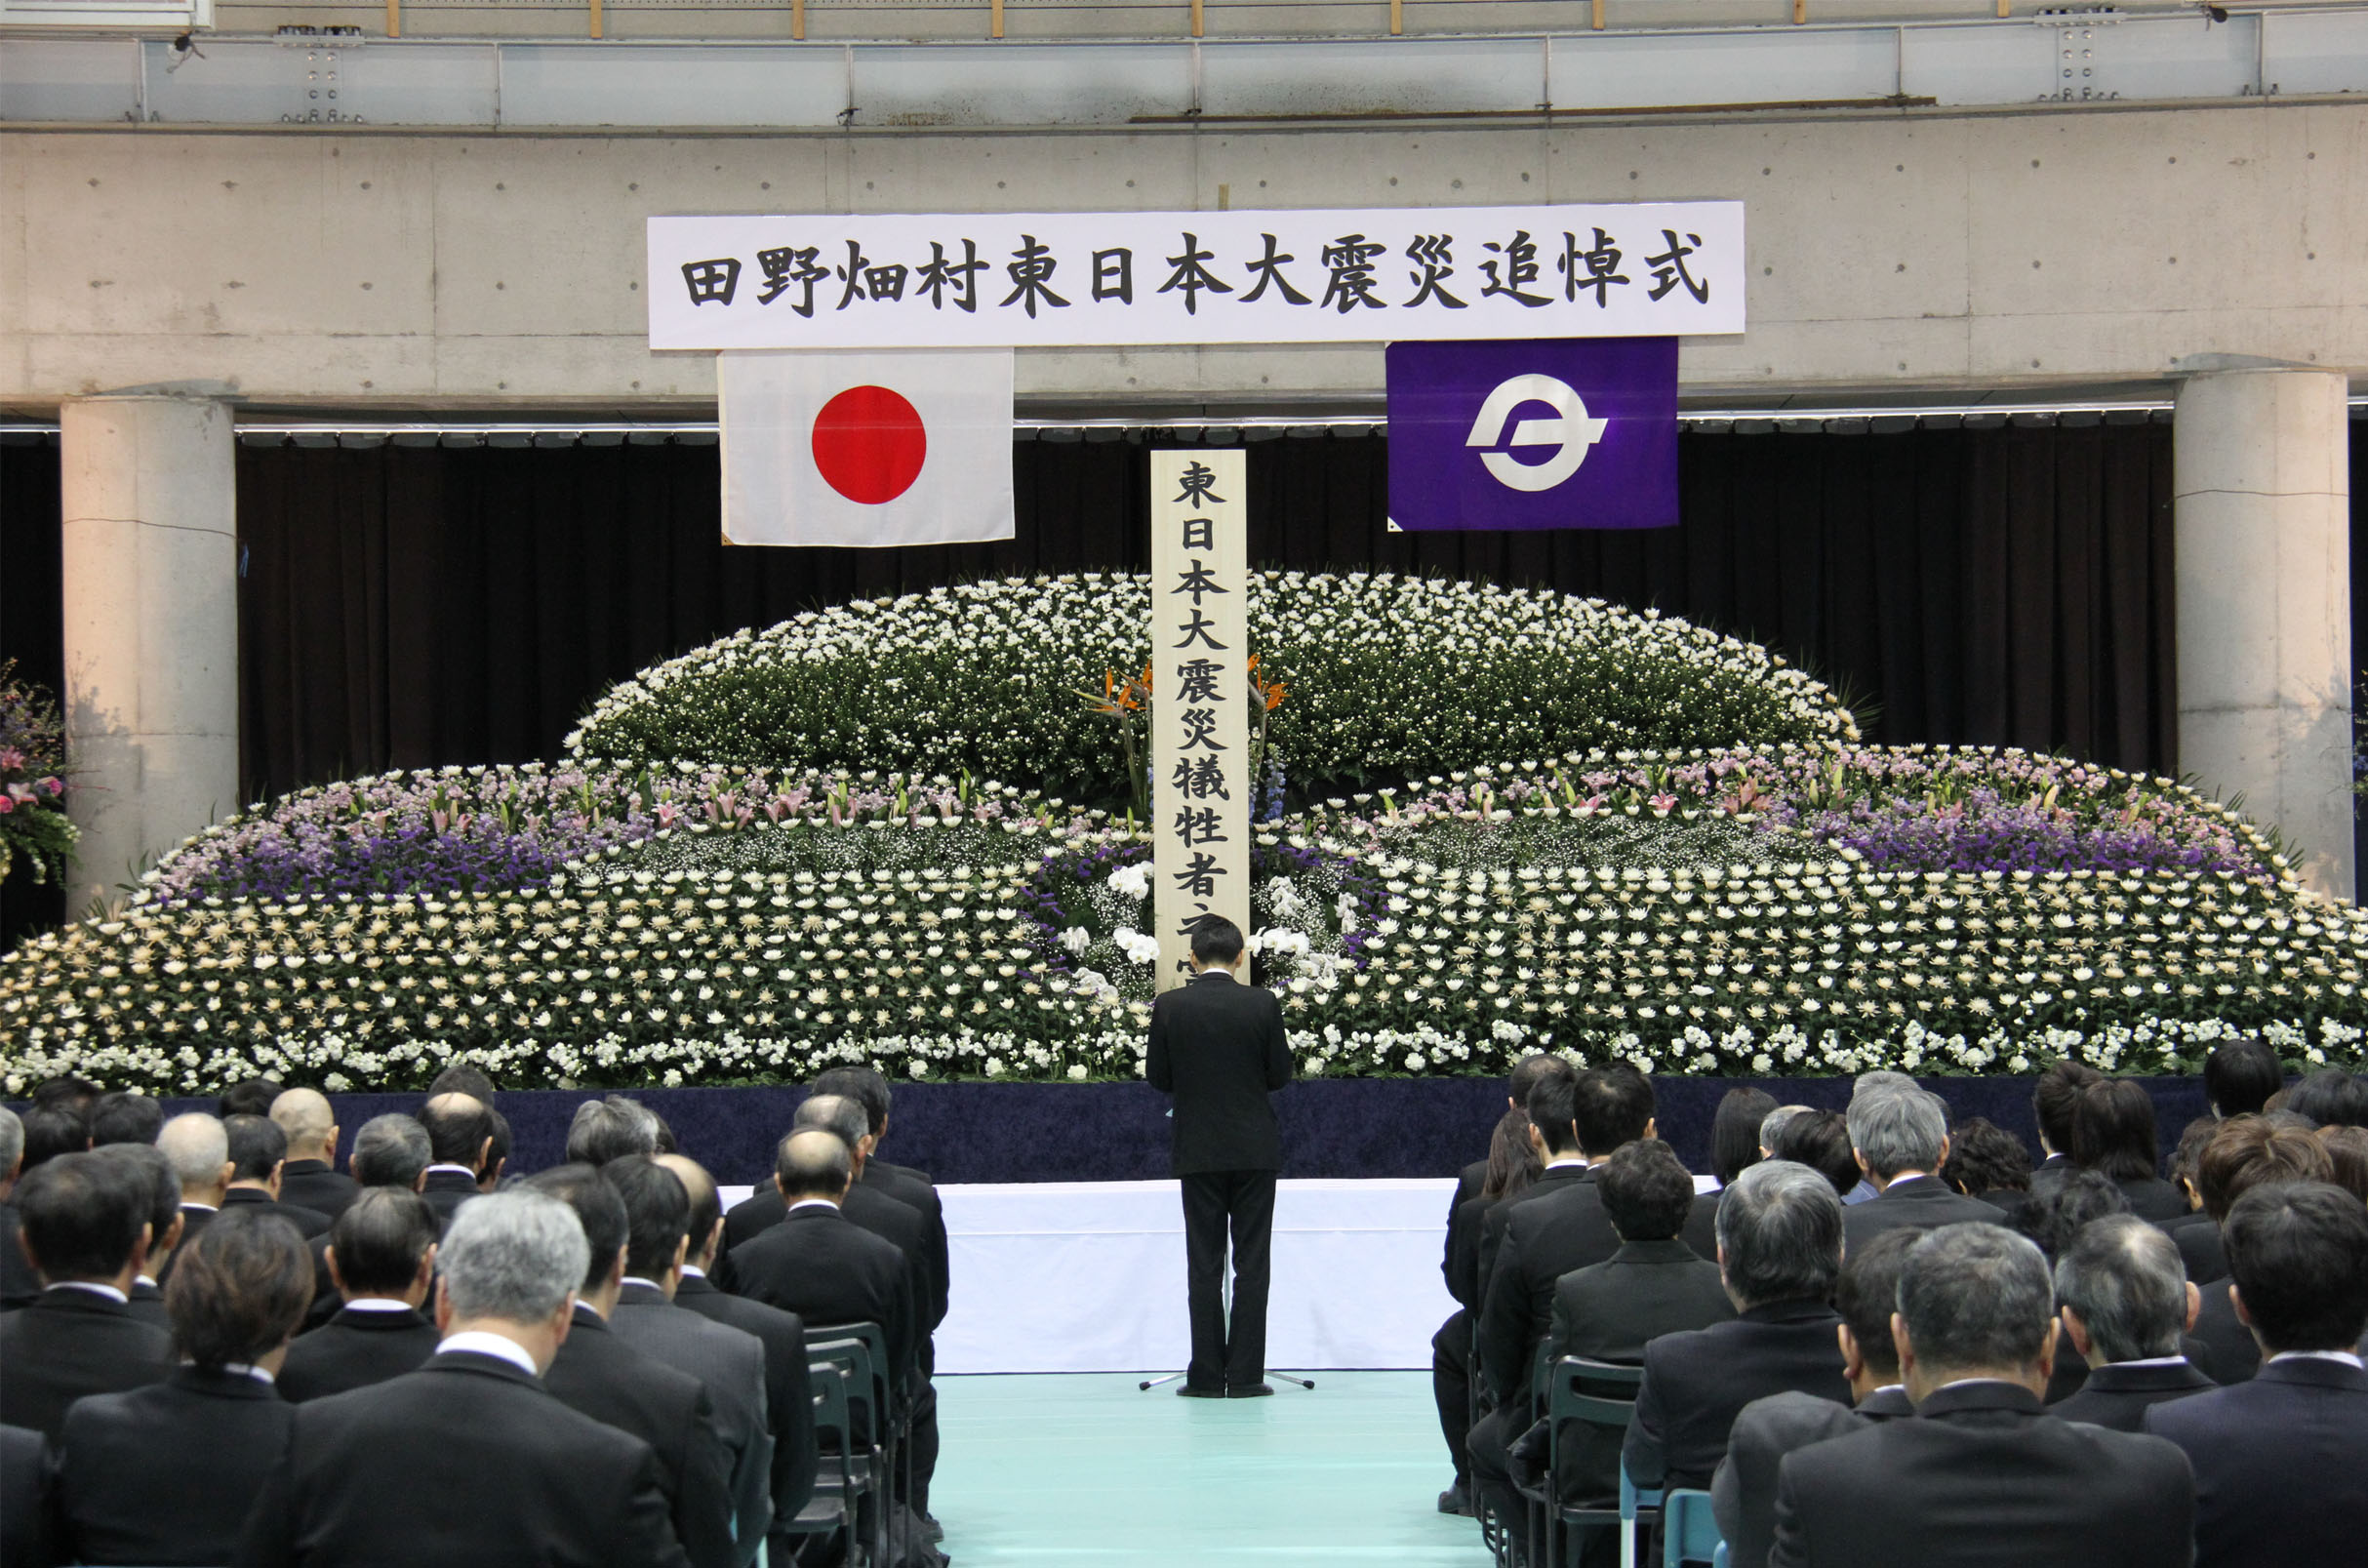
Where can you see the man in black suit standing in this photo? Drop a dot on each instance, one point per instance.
(598, 1374)
(1901, 1138)
(200, 1151)
(1779, 1252)
(382, 1260)
(85, 1230)
(1982, 1474)
(469, 1463)
(1217, 1047)
(822, 1266)
(259, 1153)
(311, 1179)
(2125, 1302)
(2278, 1478)
(788, 1384)
(1743, 1491)
(461, 1144)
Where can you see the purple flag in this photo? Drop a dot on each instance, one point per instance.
(1564, 432)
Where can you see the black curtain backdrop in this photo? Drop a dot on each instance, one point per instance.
(424, 605)
(32, 626)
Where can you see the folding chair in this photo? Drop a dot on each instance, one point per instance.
(1689, 1530)
(1600, 1394)
(828, 1511)
(863, 1385)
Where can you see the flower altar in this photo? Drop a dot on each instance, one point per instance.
(1491, 821)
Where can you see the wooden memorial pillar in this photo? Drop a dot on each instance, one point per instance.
(1201, 696)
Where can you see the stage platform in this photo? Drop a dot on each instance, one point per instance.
(1040, 1471)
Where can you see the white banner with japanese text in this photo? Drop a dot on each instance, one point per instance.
(1049, 280)
(1201, 691)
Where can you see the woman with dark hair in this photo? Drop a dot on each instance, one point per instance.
(1512, 1165)
(166, 1474)
(1985, 1161)
(1735, 1132)
(1820, 1141)
(2239, 1076)
(2114, 1135)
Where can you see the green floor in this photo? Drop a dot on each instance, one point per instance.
(1085, 1468)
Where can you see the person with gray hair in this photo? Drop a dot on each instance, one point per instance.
(1900, 1136)
(1983, 1474)
(392, 1150)
(1774, 1122)
(199, 1147)
(2125, 1301)
(18, 1284)
(1880, 1081)
(609, 1129)
(1780, 1251)
(494, 1471)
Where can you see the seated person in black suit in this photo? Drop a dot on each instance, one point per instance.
(1820, 1141)
(251, 1097)
(599, 1374)
(200, 1151)
(2125, 1302)
(2247, 1152)
(59, 1127)
(788, 1384)
(1780, 1251)
(125, 1116)
(166, 1473)
(2113, 1134)
(1880, 1081)
(311, 1179)
(459, 1132)
(819, 1264)
(18, 1282)
(609, 1129)
(2278, 1476)
(26, 1539)
(2239, 1076)
(2053, 1102)
(497, 1151)
(1652, 1285)
(2195, 1233)
(1900, 1138)
(2331, 1098)
(146, 1163)
(469, 1463)
(1511, 1165)
(1985, 1161)
(259, 1153)
(1982, 1474)
(84, 1223)
(382, 1260)
(1743, 1492)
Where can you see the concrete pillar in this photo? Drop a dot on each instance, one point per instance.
(2261, 474)
(151, 628)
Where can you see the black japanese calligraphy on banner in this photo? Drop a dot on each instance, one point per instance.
(991, 280)
(1200, 698)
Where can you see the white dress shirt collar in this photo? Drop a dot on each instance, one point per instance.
(2347, 1358)
(376, 1304)
(810, 1203)
(261, 1375)
(477, 1342)
(96, 1289)
(693, 1271)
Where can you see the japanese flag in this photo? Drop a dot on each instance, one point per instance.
(898, 447)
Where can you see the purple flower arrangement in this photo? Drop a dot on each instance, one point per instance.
(1981, 832)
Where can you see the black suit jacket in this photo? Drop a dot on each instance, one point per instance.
(25, 1537)
(2199, 1248)
(314, 1184)
(752, 1217)
(1695, 1384)
(828, 1271)
(147, 1304)
(906, 1228)
(1700, 1232)
(1743, 1493)
(355, 1349)
(309, 1223)
(2153, 1198)
(19, 1284)
(1983, 1476)
(788, 1385)
(446, 1191)
(1218, 1046)
(466, 1462)
(166, 1473)
(69, 1343)
(1555, 1227)
(598, 1375)
(915, 1191)
(1461, 1264)
(2279, 1475)
(2230, 1348)
(1920, 1203)
(1609, 1311)
(193, 1219)
(2117, 1394)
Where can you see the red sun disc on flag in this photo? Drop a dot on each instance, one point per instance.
(869, 444)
